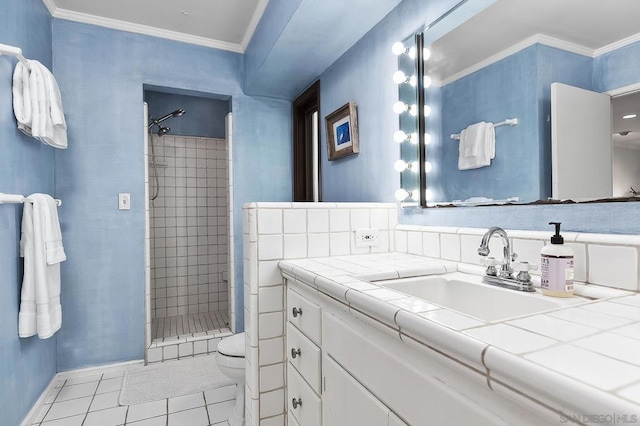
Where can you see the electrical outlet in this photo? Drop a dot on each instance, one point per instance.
(368, 237)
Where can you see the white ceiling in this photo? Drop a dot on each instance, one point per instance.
(223, 24)
(585, 26)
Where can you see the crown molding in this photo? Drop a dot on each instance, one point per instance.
(537, 38)
(617, 44)
(145, 29)
(51, 6)
(253, 23)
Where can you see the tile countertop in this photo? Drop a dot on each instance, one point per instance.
(580, 359)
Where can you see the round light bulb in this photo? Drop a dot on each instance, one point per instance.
(413, 80)
(428, 194)
(427, 167)
(398, 48)
(413, 166)
(414, 138)
(399, 107)
(427, 110)
(399, 136)
(427, 81)
(401, 194)
(413, 110)
(412, 52)
(399, 77)
(427, 138)
(426, 54)
(400, 166)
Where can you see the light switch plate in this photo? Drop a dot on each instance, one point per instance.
(124, 201)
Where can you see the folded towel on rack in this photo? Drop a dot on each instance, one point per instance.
(37, 104)
(22, 98)
(40, 309)
(477, 146)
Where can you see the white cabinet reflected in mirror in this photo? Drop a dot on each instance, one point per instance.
(500, 64)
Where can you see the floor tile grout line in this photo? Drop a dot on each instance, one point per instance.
(206, 409)
(92, 399)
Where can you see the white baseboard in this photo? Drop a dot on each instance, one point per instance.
(28, 420)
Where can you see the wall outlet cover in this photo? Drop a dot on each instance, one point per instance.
(367, 237)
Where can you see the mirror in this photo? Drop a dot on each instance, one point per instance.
(498, 67)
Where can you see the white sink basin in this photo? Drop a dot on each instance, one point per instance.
(467, 294)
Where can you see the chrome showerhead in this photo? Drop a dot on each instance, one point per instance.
(178, 113)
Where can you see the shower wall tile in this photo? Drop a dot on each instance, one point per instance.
(189, 225)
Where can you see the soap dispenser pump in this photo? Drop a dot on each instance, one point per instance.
(556, 267)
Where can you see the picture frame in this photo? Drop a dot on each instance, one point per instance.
(342, 132)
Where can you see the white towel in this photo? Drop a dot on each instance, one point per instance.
(22, 98)
(37, 104)
(40, 309)
(477, 146)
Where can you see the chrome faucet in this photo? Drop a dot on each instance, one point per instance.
(504, 277)
(507, 256)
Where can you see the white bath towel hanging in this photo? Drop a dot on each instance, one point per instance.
(477, 146)
(41, 247)
(22, 98)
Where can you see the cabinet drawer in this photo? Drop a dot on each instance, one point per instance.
(307, 362)
(309, 321)
(309, 413)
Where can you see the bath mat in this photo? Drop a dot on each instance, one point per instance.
(170, 379)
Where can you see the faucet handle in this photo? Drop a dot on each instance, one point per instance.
(490, 263)
(525, 266)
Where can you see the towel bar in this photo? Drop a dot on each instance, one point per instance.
(17, 199)
(507, 122)
(5, 49)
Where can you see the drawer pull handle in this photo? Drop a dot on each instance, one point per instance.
(296, 403)
(296, 312)
(295, 352)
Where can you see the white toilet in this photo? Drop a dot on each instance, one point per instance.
(230, 359)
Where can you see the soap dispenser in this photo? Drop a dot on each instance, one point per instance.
(556, 267)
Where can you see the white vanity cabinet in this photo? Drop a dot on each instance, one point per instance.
(349, 370)
(346, 402)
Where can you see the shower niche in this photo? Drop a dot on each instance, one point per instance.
(189, 224)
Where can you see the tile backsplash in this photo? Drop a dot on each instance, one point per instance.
(607, 260)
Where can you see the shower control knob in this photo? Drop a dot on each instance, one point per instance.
(296, 312)
(295, 352)
(296, 403)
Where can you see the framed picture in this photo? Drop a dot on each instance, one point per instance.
(342, 132)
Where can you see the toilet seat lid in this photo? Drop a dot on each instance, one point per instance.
(232, 345)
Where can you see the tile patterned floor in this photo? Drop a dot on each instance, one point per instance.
(92, 400)
(188, 325)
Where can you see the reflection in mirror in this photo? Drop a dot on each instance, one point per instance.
(480, 75)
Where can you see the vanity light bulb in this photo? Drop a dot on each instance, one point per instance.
(413, 110)
(427, 167)
(427, 110)
(414, 138)
(401, 194)
(400, 107)
(399, 136)
(412, 52)
(428, 194)
(413, 80)
(400, 166)
(426, 54)
(427, 81)
(399, 77)
(398, 48)
(427, 138)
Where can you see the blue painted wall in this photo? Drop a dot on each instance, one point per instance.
(101, 73)
(26, 166)
(204, 117)
(618, 68)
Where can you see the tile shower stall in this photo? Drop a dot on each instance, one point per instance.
(189, 231)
